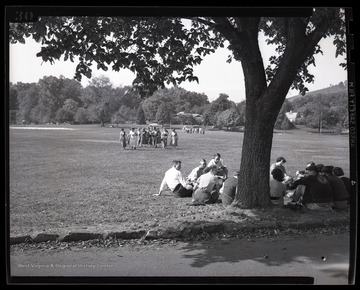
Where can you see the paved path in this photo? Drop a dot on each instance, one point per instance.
(325, 258)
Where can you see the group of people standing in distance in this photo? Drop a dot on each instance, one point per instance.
(148, 137)
(194, 129)
(317, 187)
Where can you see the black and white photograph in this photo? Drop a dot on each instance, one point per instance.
(180, 145)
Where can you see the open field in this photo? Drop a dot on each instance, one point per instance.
(81, 179)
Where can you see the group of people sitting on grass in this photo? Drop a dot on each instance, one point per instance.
(316, 187)
(205, 183)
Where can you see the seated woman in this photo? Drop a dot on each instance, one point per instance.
(208, 188)
(277, 187)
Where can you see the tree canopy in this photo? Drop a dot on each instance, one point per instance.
(164, 50)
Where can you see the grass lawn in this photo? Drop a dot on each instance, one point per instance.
(80, 178)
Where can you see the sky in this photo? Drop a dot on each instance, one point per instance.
(216, 76)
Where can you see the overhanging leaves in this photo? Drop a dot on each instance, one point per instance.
(164, 50)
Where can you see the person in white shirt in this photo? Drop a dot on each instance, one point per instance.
(132, 139)
(174, 180)
(208, 187)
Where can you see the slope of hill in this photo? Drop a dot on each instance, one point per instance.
(341, 87)
(330, 103)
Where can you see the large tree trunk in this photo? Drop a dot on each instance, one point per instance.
(253, 189)
(263, 104)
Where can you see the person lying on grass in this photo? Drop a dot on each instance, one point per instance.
(174, 180)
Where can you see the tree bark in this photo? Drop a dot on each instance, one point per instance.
(263, 104)
(253, 189)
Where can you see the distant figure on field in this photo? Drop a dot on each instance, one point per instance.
(164, 138)
(174, 138)
(139, 134)
(122, 138)
(132, 139)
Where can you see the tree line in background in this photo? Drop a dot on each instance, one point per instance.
(63, 100)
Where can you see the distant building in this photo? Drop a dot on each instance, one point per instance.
(188, 114)
(197, 117)
(292, 116)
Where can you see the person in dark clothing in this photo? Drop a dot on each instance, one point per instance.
(228, 190)
(341, 195)
(339, 172)
(277, 187)
(317, 193)
(320, 166)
